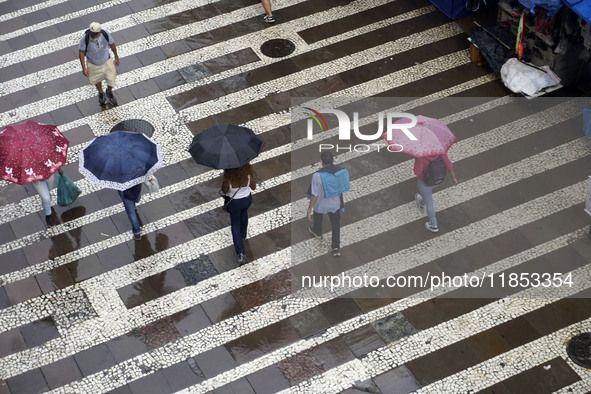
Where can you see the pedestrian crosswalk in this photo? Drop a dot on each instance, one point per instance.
(174, 313)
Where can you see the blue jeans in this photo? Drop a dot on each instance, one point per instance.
(427, 195)
(238, 209)
(130, 210)
(43, 188)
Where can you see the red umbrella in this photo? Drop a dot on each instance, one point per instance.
(433, 137)
(31, 152)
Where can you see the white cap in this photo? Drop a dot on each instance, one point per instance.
(95, 27)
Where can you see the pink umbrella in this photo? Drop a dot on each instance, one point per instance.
(31, 152)
(433, 138)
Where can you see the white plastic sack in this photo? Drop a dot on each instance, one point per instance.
(521, 78)
(152, 184)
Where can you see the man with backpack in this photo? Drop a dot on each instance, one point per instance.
(431, 171)
(94, 46)
(326, 196)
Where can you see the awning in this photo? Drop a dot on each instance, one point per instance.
(582, 8)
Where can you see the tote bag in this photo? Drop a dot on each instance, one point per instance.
(67, 191)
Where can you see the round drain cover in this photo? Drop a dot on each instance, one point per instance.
(579, 350)
(278, 47)
(136, 126)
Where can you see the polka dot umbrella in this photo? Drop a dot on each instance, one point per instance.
(120, 160)
(31, 152)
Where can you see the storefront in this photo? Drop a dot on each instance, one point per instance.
(555, 34)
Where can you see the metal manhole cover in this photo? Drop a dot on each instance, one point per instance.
(579, 350)
(136, 126)
(278, 47)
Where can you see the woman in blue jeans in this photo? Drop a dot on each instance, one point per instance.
(238, 184)
(130, 197)
(43, 188)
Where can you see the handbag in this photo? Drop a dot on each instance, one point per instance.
(227, 200)
(152, 184)
(67, 191)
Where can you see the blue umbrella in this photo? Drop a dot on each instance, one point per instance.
(120, 160)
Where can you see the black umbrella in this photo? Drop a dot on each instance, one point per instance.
(225, 146)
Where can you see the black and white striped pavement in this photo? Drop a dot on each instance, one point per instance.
(85, 309)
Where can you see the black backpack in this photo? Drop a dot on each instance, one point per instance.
(87, 38)
(435, 172)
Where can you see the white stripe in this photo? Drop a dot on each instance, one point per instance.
(402, 172)
(54, 21)
(276, 311)
(582, 386)
(484, 141)
(256, 124)
(254, 41)
(409, 348)
(340, 65)
(173, 156)
(212, 52)
(159, 39)
(372, 316)
(138, 18)
(98, 288)
(28, 10)
(512, 362)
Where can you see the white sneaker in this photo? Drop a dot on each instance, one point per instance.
(313, 233)
(419, 201)
(431, 228)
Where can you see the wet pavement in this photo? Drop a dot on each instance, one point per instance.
(85, 308)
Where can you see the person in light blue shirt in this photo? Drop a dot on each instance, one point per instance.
(96, 61)
(326, 181)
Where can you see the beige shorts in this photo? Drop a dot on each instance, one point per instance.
(105, 71)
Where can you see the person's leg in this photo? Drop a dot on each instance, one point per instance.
(102, 96)
(244, 216)
(42, 188)
(52, 181)
(95, 78)
(130, 210)
(335, 223)
(110, 75)
(427, 196)
(267, 7)
(235, 209)
(317, 223)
